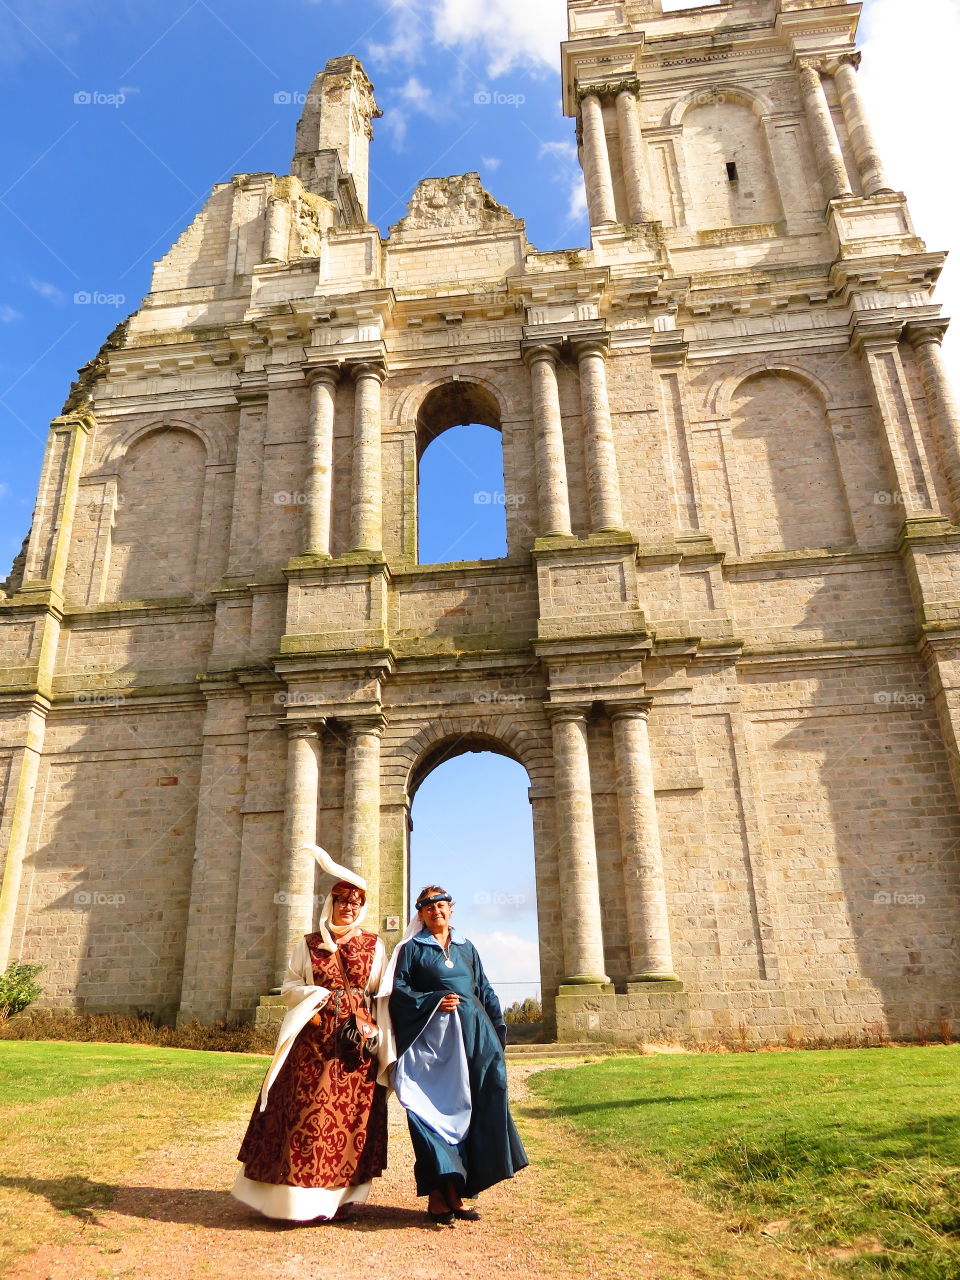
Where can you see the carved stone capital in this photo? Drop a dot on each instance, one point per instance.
(639, 709)
(536, 352)
(370, 722)
(852, 59)
(303, 728)
(328, 373)
(568, 712)
(368, 369)
(599, 345)
(924, 333)
(608, 89)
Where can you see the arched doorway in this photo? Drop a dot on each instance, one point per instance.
(471, 831)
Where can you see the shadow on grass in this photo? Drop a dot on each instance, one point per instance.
(82, 1199)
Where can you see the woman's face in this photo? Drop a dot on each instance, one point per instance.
(346, 906)
(436, 916)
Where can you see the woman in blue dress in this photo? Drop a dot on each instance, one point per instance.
(450, 1073)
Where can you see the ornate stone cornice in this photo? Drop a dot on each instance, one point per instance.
(607, 89)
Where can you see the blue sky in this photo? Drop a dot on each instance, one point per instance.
(127, 113)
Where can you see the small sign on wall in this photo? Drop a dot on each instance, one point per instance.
(392, 924)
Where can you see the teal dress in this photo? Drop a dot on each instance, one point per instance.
(490, 1150)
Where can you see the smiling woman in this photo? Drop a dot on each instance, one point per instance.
(449, 1072)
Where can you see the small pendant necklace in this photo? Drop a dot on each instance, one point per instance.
(446, 953)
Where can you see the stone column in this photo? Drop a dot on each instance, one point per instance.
(873, 179)
(599, 179)
(295, 906)
(548, 444)
(361, 800)
(579, 881)
(651, 957)
(366, 508)
(826, 144)
(318, 514)
(639, 202)
(276, 238)
(603, 477)
(925, 338)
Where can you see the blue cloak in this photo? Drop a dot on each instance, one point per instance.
(491, 1150)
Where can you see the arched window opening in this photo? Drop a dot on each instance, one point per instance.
(461, 498)
(472, 833)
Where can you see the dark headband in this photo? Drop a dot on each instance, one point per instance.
(437, 897)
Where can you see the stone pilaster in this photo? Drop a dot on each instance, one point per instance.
(21, 791)
(873, 179)
(826, 145)
(551, 460)
(318, 514)
(49, 549)
(879, 344)
(603, 476)
(596, 156)
(361, 802)
(639, 200)
(651, 955)
(366, 510)
(926, 338)
(295, 896)
(579, 881)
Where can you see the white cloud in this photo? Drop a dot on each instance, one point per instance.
(908, 80)
(411, 99)
(47, 290)
(491, 162)
(491, 37)
(7, 314)
(512, 963)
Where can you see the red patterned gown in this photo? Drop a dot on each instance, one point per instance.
(322, 1135)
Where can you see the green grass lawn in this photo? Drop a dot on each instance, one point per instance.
(76, 1117)
(852, 1155)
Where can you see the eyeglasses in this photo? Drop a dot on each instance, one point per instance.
(350, 900)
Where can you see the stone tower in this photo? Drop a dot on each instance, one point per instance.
(723, 641)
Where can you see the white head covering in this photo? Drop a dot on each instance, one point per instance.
(336, 873)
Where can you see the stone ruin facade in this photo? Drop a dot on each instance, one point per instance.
(724, 641)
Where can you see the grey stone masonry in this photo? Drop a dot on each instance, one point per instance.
(724, 640)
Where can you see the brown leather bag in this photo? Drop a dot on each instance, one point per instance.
(357, 1029)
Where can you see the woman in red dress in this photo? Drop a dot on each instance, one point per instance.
(318, 1133)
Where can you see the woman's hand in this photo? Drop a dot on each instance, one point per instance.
(449, 1001)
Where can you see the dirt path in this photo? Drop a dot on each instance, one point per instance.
(172, 1219)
